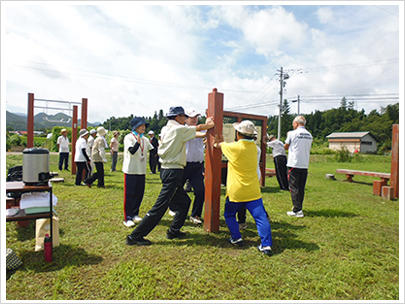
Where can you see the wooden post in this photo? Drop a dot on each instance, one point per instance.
(83, 122)
(30, 121)
(263, 155)
(395, 160)
(74, 138)
(213, 163)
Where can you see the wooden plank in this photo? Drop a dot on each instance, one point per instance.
(364, 173)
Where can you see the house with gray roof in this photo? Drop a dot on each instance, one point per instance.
(363, 142)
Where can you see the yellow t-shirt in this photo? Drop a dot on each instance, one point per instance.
(242, 183)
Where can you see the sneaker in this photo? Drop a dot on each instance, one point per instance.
(173, 235)
(128, 223)
(172, 213)
(137, 219)
(238, 242)
(87, 184)
(195, 220)
(138, 241)
(243, 226)
(265, 250)
(295, 214)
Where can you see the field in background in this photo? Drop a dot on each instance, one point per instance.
(345, 248)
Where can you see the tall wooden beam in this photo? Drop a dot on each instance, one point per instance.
(83, 122)
(74, 138)
(30, 121)
(395, 160)
(213, 163)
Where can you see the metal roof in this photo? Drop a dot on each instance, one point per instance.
(347, 135)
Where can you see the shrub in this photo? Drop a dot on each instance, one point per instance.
(343, 155)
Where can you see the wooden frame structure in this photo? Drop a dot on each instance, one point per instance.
(30, 121)
(213, 157)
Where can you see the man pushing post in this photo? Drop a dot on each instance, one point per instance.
(172, 153)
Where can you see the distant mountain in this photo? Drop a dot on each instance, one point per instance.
(18, 121)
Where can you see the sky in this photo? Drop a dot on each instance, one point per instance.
(133, 58)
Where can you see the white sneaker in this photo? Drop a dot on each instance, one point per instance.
(295, 214)
(128, 223)
(195, 220)
(137, 219)
(172, 213)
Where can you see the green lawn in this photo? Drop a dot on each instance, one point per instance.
(346, 246)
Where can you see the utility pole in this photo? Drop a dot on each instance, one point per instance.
(282, 85)
(297, 100)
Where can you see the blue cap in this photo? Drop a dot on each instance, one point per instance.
(138, 121)
(174, 111)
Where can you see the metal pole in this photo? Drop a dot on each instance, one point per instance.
(74, 138)
(281, 103)
(298, 100)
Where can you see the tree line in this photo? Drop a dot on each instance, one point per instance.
(320, 123)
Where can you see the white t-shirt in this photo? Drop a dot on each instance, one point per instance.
(81, 143)
(277, 147)
(300, 141)
(135, 163)
(63, 143)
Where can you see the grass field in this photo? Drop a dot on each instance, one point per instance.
(345, 248)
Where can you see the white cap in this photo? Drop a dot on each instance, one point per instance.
(92, 131)
(151, 132)
(192, 113)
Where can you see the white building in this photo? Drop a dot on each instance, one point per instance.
(363, 142)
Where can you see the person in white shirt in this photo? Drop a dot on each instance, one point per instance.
(136, 147)
(99, 158)
(63, 147)
(82, 160)
(280, 161)
(172, 153)
(90, 143)
(194, 169)
(298, 144)
(114, 144)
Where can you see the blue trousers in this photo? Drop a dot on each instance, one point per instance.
(257, 211)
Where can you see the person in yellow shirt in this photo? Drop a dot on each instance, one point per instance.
(242, 185)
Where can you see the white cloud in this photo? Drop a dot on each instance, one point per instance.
(325, 15)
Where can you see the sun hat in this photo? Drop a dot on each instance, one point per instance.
(63, 130)
(246, 127)
(192, 113)
(115, 133)
(92, 131)
(175, 111)
(101, 131)
(83, 132)
(138, 121)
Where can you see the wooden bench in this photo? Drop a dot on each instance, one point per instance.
(385, 177)
(270, 172)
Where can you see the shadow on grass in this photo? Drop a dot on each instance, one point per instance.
(283, 238)
(329, 213)
(63, 255)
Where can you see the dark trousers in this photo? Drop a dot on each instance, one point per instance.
(99, 175)
(63, 158)
(297, 179)
(81, 167)
(134, 189)
(153, 161)
(114, 161)
(280, 164)
(194, 173)
(171, 195)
